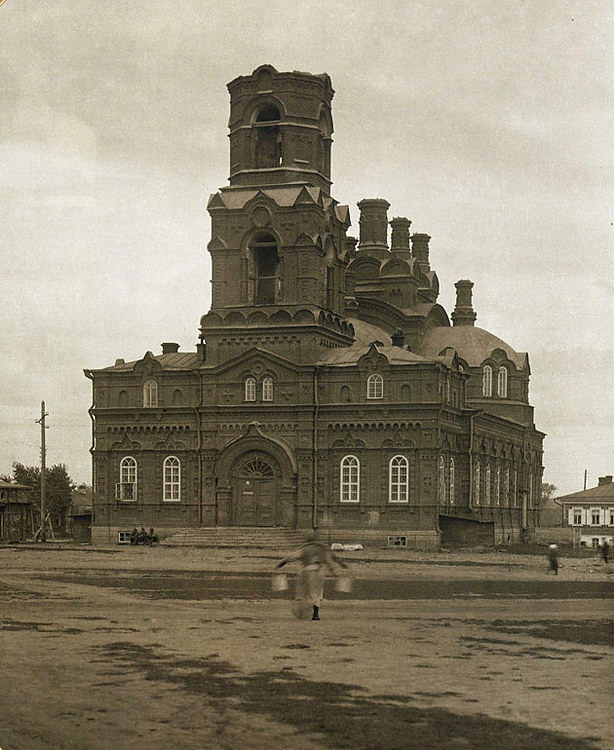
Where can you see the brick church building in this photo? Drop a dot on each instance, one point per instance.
(329, 388)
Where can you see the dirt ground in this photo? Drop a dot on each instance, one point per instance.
(185, 648)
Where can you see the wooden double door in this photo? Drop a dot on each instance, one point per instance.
(255, 492)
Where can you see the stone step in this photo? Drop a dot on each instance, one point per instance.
(235, 536)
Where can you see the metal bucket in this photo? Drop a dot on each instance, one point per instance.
(343, 584)
(279, 582)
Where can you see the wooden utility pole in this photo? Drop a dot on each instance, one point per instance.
(42, 536)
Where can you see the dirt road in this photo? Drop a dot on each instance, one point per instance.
(188, 649)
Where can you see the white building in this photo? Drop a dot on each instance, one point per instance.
(591, 513)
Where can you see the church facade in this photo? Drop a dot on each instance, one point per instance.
(328, 389)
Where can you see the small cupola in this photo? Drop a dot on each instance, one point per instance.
(374, 226)
(464, 314)
(400, 236)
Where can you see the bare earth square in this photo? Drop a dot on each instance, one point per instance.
(189, 648)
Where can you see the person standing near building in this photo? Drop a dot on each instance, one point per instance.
(604, 551)
(315, 559)
(553, 558)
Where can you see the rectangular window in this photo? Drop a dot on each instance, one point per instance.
(125, 491)
(123, 537)
(611, 518)
(397, 541)
(595, 517)
(576, 514)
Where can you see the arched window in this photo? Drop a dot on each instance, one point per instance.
(172, 479)
(487, 485)
(256, 468)
(502, 382)
(250, 389)
(441, 480)
(350, 479)
(267, 389)
(405, 392)
(266, 261)
(126, 488)
(487, 381)
(451, 482)
(448, 389)
(345, 394)
(177, 397)
(477, 482)
(268, 138)
(498, 486)
(122, 398)
(375, 386)
(398, 491)
(150, 393)
(507, 486)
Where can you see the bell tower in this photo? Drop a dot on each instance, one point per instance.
(280, 128)
(278, 241)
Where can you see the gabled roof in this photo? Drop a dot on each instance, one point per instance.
(601, 493)
(173, 361)
(14, 486)
(234, 198)
(366, 334)
(348, 356)
(473, 344)
(255, 352)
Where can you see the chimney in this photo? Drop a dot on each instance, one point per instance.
(201, 349)
(374, 226)
(398, 338)
(605, 480)
(463, 314)
(400, 236)
(420, 250)
(170, 348)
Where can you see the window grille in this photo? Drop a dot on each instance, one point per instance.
(375, 386)
(150, 393)
(267, 389)
(172, 479)
(398, 491)
(125, 489)
(250, 389)
(397, 541)
(502, 382)
(350, 479)
(487, 381)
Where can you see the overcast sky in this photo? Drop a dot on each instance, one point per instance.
(488, 124)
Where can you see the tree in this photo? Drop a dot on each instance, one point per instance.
(546, 493)
(59, 489)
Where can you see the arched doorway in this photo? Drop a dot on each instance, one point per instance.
(255, 490)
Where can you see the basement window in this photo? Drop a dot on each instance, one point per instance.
(397, 541)
(123, 537)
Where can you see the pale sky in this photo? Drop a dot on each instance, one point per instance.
(488, 124)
